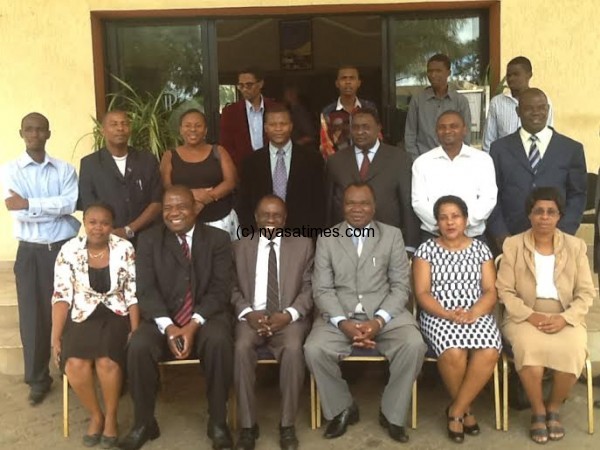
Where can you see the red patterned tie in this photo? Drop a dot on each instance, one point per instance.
(184, 315)
(364, 167)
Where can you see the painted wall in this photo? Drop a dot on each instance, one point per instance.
(46, 52)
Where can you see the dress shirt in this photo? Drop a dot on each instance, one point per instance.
(287, 157)
(163, 322)
(255, 123)
(50, 187)
(424, 109)
(502, 118)
(260, 280)
(72, 284)
(371, 154)
(359, 309)
(339, 106)
(544, 276)
(470, 176)
(542, 142)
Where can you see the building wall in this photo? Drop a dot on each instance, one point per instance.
(46, 51)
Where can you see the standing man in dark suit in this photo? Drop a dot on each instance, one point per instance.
(293, 173)
(241, 129)
(125, 178)
(272, 299)
(385, 168)
(183, 290)
(535, 156)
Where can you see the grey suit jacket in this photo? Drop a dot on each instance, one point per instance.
(295, 269)
(379, 279)
(390, 177)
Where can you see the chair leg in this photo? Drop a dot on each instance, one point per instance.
(590, 396)
(413, 424)
(497, 398)
(313, 403)
(232, 411)
(504, 392)
(317, 406)
(65, 406)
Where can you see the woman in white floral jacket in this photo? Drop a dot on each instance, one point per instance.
(94, 309)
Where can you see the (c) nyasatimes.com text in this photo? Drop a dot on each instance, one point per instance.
(270, 233)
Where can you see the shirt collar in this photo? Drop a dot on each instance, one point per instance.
(190, 233)
(339, 106)
(286, 148)
(24, 160)
(373, 149)
(440, 153)
(250, 109)
(264, 242)
(369, 225)
(545, 133)
(451, 93)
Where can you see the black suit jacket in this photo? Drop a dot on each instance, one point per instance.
(305, 188)
(163, 272)
(389, 175)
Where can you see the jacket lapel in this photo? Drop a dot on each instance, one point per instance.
(549, 153)
(251, 254)
(347, 244)
(515, 147)
(284, 264)
(108, 161)
(379, 162)
(369, 245)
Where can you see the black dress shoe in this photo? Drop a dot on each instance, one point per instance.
(247, 438)
(37, 394)
(287, 438)
(339, 423)
(139, 435)
(396, 432)
(220, 436)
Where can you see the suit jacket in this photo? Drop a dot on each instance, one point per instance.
(101, 180)
(390, 177)
(304, 196)
(516, 281)
(563, 166)
(234, 133)
(295, 269)
(379, 278)
(164, 273)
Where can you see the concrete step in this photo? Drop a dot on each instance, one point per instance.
(11, 351)
(9, 315)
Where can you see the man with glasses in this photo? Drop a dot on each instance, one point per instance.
(241, 130)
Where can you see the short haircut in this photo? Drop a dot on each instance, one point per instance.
(360, 185)
(440, 57)
(270, 197)
(521, 61)
(179, 189)
(277, 108)
(192, 111)
(252, 71)
(451, 112)
(115, 111)
(450, 200)
(369, 112)
(101, 205)
(36, 115)
(348, 66)
(531, 92)
(549, 193)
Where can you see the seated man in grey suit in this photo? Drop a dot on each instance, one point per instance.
(272, 299)
(361, 287)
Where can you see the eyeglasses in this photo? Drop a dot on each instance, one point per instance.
(550, 212)
(248, 85)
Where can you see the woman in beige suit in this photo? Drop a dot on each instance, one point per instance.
(545, 284)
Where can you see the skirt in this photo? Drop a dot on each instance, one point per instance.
(564, 351)
(102, 334)
(229, 223)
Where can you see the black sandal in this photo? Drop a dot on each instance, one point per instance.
(554, 416)
(471, 430)
(536, 433)
(457, 437)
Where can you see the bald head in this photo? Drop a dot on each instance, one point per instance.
(533, 110)
(181, 190)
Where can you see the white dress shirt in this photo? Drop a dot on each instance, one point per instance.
(544, 276)
(542, 142)
(371, 153)
(470, 176)
(255, 123)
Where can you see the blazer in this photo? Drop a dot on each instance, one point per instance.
(379, 278)
(516, 281)
(295, 269)
(72, 281)
(390, 177)
(129, 195)
(304, 196)
(234, 133)
(164, 273)
(563, 166)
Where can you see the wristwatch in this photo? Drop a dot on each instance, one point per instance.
(129, 232)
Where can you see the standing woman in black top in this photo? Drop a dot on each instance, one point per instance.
(207, 169)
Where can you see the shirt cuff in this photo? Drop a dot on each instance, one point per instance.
(162, 323)
(294, 313)
(410, 249)
(35, 206)
(336, 320)
(198, 318)
(245, 311)
(384, 315)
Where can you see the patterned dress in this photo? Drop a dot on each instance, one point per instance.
(456, 283)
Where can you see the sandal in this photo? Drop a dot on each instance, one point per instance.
(538, 435)
(455, 436)
(557, 430)
(471, 430)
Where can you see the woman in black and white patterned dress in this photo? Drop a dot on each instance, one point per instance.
(454, 279)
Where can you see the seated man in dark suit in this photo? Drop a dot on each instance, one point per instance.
(183, 289)
(273, 301)
(535, 156)
(293, 173)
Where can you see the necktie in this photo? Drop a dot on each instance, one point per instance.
(280, 176)
(272, 282)
(184, 315)
(534, 153)
(358, 243)
(364, 166)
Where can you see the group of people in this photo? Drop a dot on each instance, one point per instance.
(136, 290)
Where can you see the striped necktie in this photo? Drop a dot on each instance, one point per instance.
(273, 304)
(534, 153)
(184, 315)
(280, 176)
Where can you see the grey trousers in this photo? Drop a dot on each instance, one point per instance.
(402, 346)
